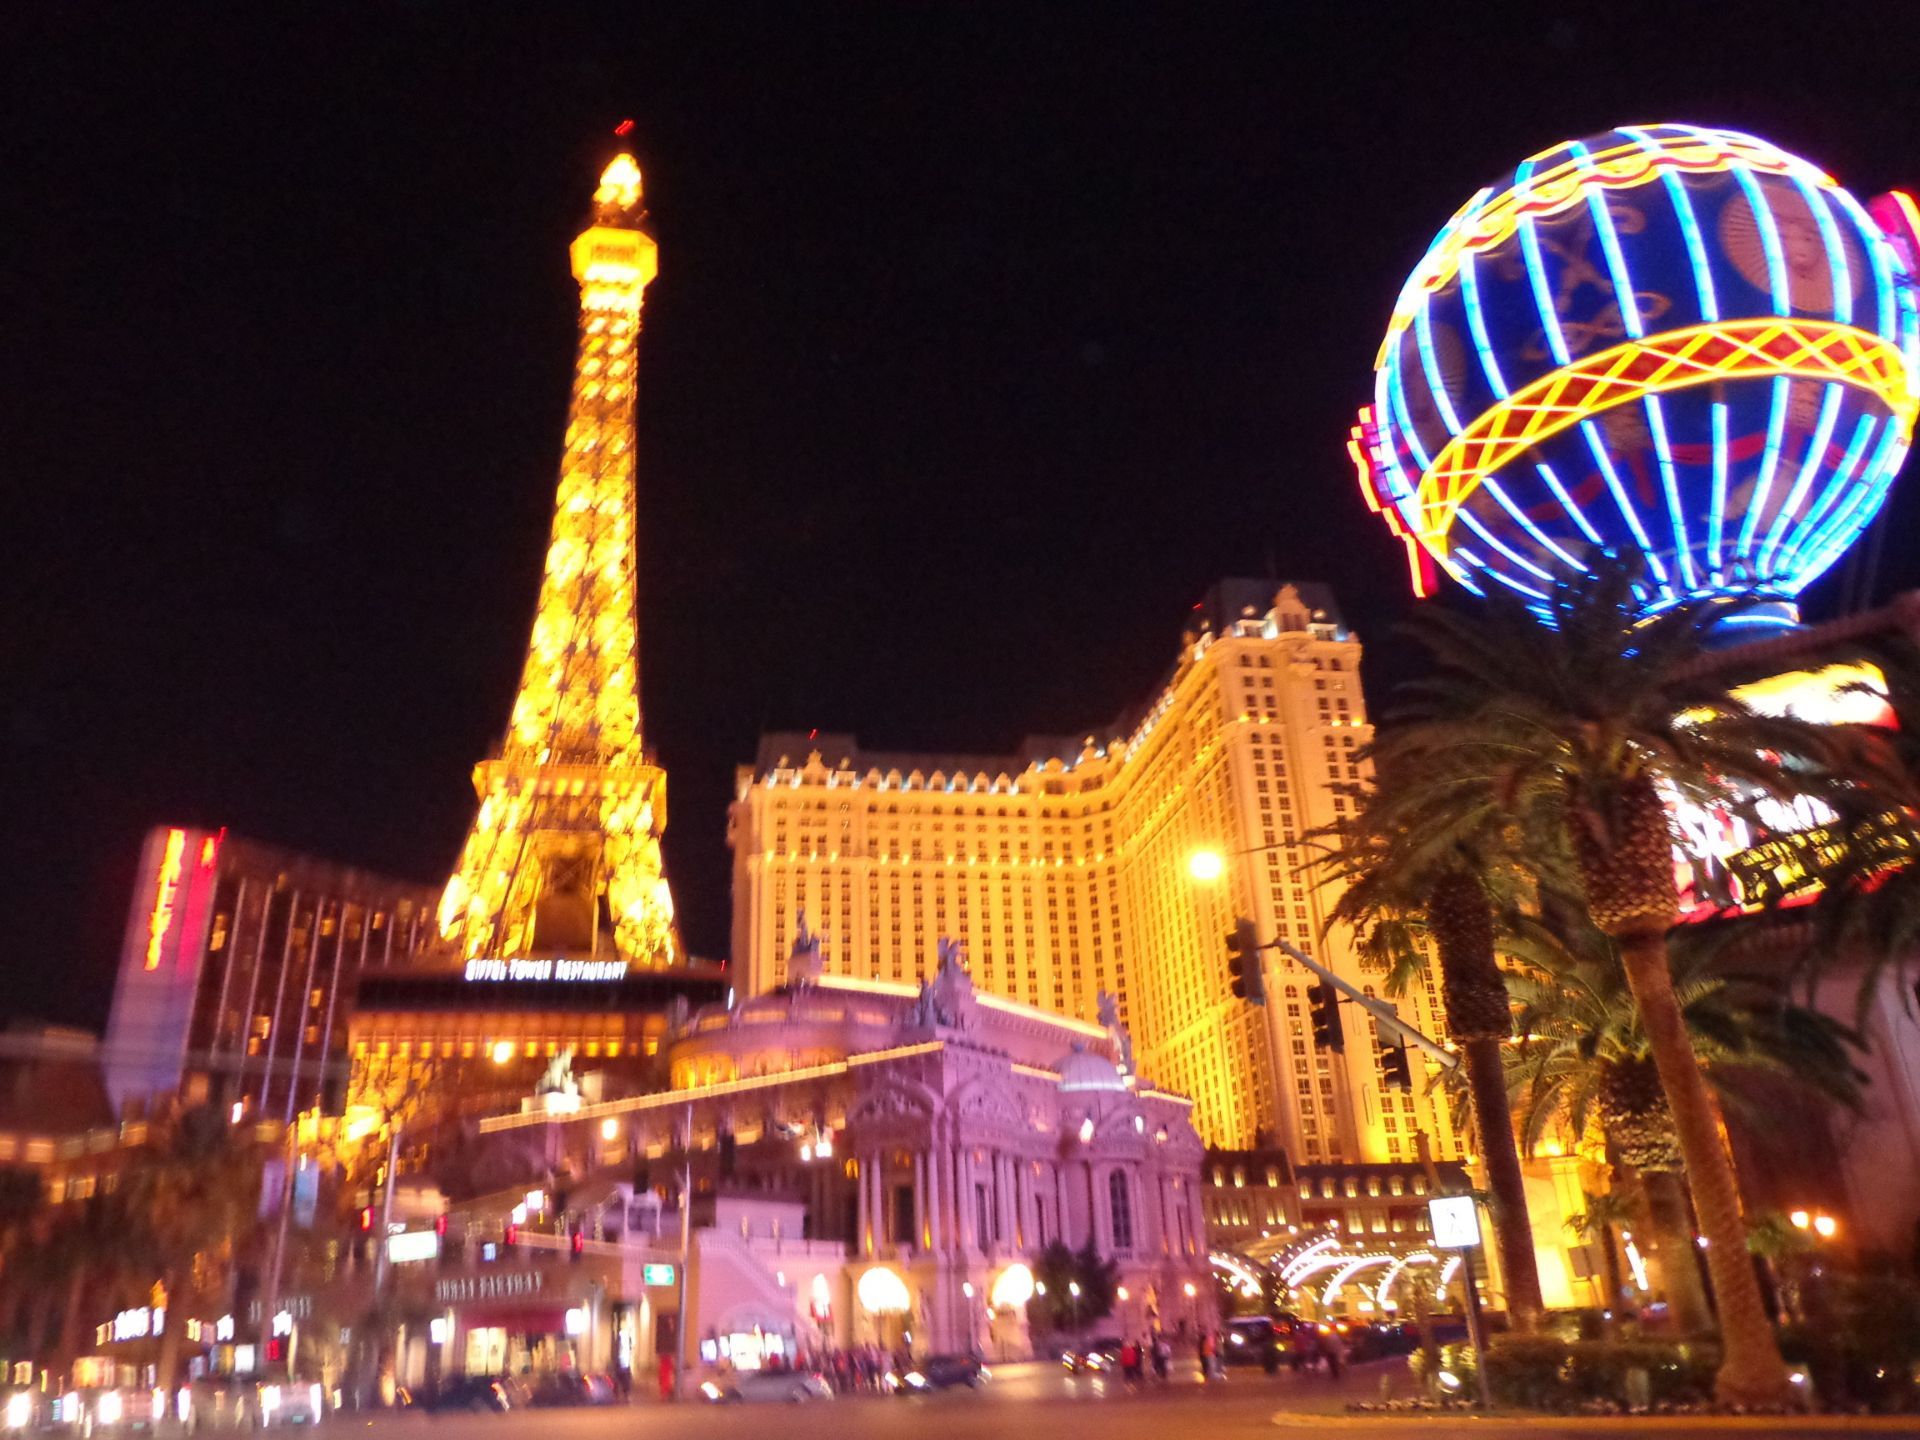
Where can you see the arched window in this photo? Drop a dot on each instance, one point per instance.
(1120, 1210)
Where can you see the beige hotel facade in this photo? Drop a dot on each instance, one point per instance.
(1064, 872)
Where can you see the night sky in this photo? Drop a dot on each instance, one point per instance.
(986, 337)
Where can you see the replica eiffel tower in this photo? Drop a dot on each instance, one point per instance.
(564, 855)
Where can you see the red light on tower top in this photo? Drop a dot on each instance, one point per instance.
(623, 129)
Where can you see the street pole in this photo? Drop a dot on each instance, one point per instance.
(386, 1214)
(1382, 1012)
(1476, 1326)
(270, 1299)
(686, 1257)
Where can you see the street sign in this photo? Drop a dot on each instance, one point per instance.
(1456, 1222)
(656, 1274)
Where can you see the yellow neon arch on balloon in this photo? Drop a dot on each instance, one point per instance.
(1764, 346)
(1482, 224)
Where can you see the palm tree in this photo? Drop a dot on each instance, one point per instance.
(1586, 1059)
(197, 1190)
(1425, 869)
(1592, 713)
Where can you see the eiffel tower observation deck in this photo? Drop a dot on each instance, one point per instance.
(563, 860)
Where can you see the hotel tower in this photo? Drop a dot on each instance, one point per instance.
(1064, 872)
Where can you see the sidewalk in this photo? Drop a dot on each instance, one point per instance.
(1544, 1420)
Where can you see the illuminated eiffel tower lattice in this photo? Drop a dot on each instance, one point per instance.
(564, 855)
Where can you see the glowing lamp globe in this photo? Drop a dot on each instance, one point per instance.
(1665, 341)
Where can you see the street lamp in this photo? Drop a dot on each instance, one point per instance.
(1206, 865)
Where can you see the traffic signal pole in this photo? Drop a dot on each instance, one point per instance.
(1384, 1014)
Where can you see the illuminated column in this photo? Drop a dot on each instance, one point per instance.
(935, 1164)
(970, 1238)
(919, 1202)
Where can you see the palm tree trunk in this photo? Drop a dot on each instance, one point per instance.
(1506, 1187)
(1474, 994)
(1610, 1263)
(1752, 1372)
(1674, 1256)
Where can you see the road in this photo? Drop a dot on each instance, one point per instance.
(1040, 1401)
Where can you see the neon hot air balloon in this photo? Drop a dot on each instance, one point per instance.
(1665, 340)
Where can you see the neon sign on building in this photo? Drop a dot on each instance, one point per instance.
(1751, 850)
(166, 891)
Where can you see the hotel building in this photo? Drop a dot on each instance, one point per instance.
(1063, 870)
(238, 968)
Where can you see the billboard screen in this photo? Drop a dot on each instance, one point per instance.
(1753, 851)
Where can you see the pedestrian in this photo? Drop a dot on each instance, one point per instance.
(1162, 1356)
(1335, 1350)
(666, 1374)
(1129, 1360)
(1207, 1350)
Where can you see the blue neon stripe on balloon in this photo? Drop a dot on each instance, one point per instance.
(1545, 541)
(1493, 574)
(1880, 258)
(1858, 511)
(1459, 574)
(1567, 503)
(1612, 477)
(1396, 386)
(1670, 482)
(1810, 464)
(1696, 247)
(1717, 516)
(1473, 523)
(1811, 532)
(1423, 334)
(1477, 325)
(1836, 252)
(1769, 462)
(1769, 240)
(1542, 293)
(1610, 246)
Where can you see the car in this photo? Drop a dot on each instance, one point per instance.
(482, 1393)
(794, 1387)
(288, 1404)
(944, 1371)
(570, 1387)
(1257, 1340)
(1092, 1356)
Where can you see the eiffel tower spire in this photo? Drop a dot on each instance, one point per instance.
(564, 854)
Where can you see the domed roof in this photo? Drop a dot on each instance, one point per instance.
(1081, 1069)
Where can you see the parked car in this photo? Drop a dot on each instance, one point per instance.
(795, 1387)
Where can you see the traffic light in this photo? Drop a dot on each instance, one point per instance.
(366, 1219)
(578, 1243)
(440, 1226)
(513, 1233)
(1244, 964)
(729, 1150)
(1323, 1007)
(1393, 1067)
